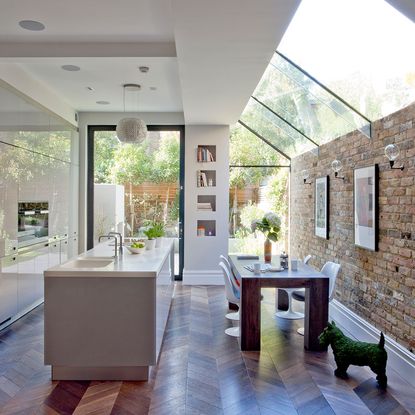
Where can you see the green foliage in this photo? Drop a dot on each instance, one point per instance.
(269, 225)
(106, 144)
(158, 228)
(131, 164)
(151, 233)
(249, 213)
(166, 165)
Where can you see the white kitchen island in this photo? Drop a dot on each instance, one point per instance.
(104, 317)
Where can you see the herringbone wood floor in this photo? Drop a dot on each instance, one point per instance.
(201, 371)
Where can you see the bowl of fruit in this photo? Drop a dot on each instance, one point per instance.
(136, 247)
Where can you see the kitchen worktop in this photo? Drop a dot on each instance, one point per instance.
(146, 264)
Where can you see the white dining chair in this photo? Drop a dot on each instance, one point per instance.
(232, 296)
(236, 285)
(290, 314)
(331, 269)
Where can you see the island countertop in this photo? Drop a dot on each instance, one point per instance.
(146, 264)
(104, 317)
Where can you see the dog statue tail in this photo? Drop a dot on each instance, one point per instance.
(381, 341)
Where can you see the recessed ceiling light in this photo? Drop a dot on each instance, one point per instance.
(89, 88)
(103, 102)
(71, 68)
(144, 69)
(31, 25)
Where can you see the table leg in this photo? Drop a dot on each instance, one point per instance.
(316, 312)
(282, 300)
(250, 314)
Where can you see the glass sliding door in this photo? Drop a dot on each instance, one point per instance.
(132, 185)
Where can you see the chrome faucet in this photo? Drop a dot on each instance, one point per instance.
(120, 236)
(115, 239)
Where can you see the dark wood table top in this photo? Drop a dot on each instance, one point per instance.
(304, 271)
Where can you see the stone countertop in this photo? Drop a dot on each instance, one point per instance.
(147, 264)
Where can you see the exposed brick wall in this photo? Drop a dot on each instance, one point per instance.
(378, 286)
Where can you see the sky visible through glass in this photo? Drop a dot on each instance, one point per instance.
(362, 50)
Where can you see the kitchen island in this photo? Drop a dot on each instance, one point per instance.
(105, 317)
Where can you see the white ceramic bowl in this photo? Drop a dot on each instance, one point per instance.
(136, 250)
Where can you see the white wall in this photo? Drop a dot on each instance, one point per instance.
(108, 118)
(15, 76)
(201, 254)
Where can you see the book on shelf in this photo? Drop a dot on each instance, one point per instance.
(202, 179)
(204, 155)
(205, 206)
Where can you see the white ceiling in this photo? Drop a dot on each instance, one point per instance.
(88, 20)
(223, 48)
(106, 76)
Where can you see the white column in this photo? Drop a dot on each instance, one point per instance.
(201, 254)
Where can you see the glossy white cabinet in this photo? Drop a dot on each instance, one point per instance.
(9, 176)
(59, 198)
(54, 253)
(64, 250)
(31, 265)
(8, 288)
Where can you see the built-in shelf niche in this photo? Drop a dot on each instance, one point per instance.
(206, 154)
(206, 228)
(206, 178)
(206, 203)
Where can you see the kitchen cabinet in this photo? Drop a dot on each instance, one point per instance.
(8, 288)
(9, 176)
(54, 253)
(59, 172)
(32, 262)
(64, 250)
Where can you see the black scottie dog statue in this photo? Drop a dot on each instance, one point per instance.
(349, 352)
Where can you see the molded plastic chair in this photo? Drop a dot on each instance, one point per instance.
(236, 285)
(232, 295)
(290, 314)
(331, 269)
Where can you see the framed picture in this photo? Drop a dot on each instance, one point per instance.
(321, 223)
(366, 213)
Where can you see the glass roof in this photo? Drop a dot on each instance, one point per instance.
(361, 50)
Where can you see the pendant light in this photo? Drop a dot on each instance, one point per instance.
(131, 130)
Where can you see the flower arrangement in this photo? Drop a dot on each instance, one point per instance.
(269, 225)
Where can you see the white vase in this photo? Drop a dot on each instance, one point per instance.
(159, 242)
(150, 244)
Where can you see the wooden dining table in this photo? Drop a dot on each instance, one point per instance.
(316, 287)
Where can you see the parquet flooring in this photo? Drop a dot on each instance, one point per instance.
(200, 371)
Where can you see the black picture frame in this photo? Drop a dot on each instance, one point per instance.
(322, 207)
(366, 207)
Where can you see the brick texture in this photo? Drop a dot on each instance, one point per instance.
(378, 286)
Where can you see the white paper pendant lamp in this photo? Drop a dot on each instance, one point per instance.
(131, 130)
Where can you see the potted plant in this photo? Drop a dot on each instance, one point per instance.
(151, 234)
(159, 229)
(270, 226)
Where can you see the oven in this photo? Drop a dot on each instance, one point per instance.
(33, 223)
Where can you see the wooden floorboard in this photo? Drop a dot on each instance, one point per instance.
(200, 371)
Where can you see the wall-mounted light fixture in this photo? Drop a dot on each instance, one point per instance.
(392, 153)
(337, 165)
(305, 174)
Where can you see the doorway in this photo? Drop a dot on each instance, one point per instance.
(132, 185)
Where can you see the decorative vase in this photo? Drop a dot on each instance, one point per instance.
(150, 244)
(267, 251)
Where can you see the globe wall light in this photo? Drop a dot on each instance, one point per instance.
(392, 153)
(337, 165)
(305, 175)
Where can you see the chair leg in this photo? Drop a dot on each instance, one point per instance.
(290, 314)
(233, 316)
